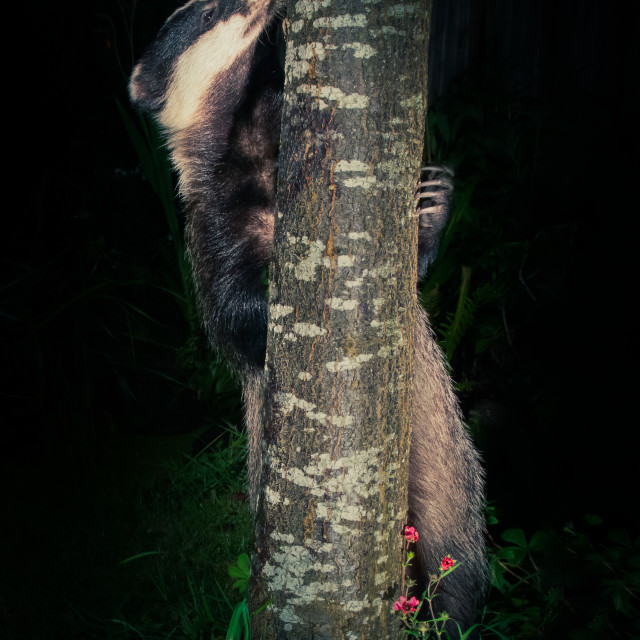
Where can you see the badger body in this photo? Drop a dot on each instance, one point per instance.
(213, 80)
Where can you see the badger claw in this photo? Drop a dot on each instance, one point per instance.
(436, 188)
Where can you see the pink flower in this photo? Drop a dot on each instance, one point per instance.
(406, 606)
(411, 534)
(447, 563)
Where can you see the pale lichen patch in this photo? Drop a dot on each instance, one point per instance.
(351, 165)
(339, 512)
(313, 50)
(306, 268)
(287, 538)
(308, 329)
(346, 530)
(334, 94)
(323, 461)
(300, 58)
(279, 310)
(340, 22)
(380, 578)
(302, 240)
(320, 416)
(360, 50)
(288, 402)
(306, 8)
(385, 270)
(287, 615)
(357, 605)
(401, 10)
(272, 495)
(349, 363)
(339, 261)
(365, 182)
(345, 261)
(359, 235)
(387, 30)
(297, 477)
(341, 304)
(412, 102)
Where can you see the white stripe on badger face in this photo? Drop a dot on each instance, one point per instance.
(183, 7)
(135, 90)
(197, 68)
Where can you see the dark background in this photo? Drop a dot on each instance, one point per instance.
(95, 346)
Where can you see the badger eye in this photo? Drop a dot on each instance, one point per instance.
(207, 17)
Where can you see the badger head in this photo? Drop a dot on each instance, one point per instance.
(192, 56)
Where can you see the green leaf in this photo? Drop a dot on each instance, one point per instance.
(541, 540)
(512, 555)
(239, 625)
(241, 570)
(140, 555)
(515, 536)
(497, 578)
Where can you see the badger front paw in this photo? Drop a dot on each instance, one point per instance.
(433, 194)
(433, 201)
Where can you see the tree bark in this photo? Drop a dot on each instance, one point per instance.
(342, 307)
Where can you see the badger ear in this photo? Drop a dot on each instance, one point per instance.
(144, 95)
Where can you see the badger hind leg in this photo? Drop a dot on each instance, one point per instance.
(446, 488)
(253, 388)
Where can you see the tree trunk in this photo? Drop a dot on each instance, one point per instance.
(342, 307)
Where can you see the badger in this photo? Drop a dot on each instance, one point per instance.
(213, 80)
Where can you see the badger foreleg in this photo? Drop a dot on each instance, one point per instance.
(433, 201)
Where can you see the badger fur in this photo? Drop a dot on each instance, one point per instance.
(213, 80)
